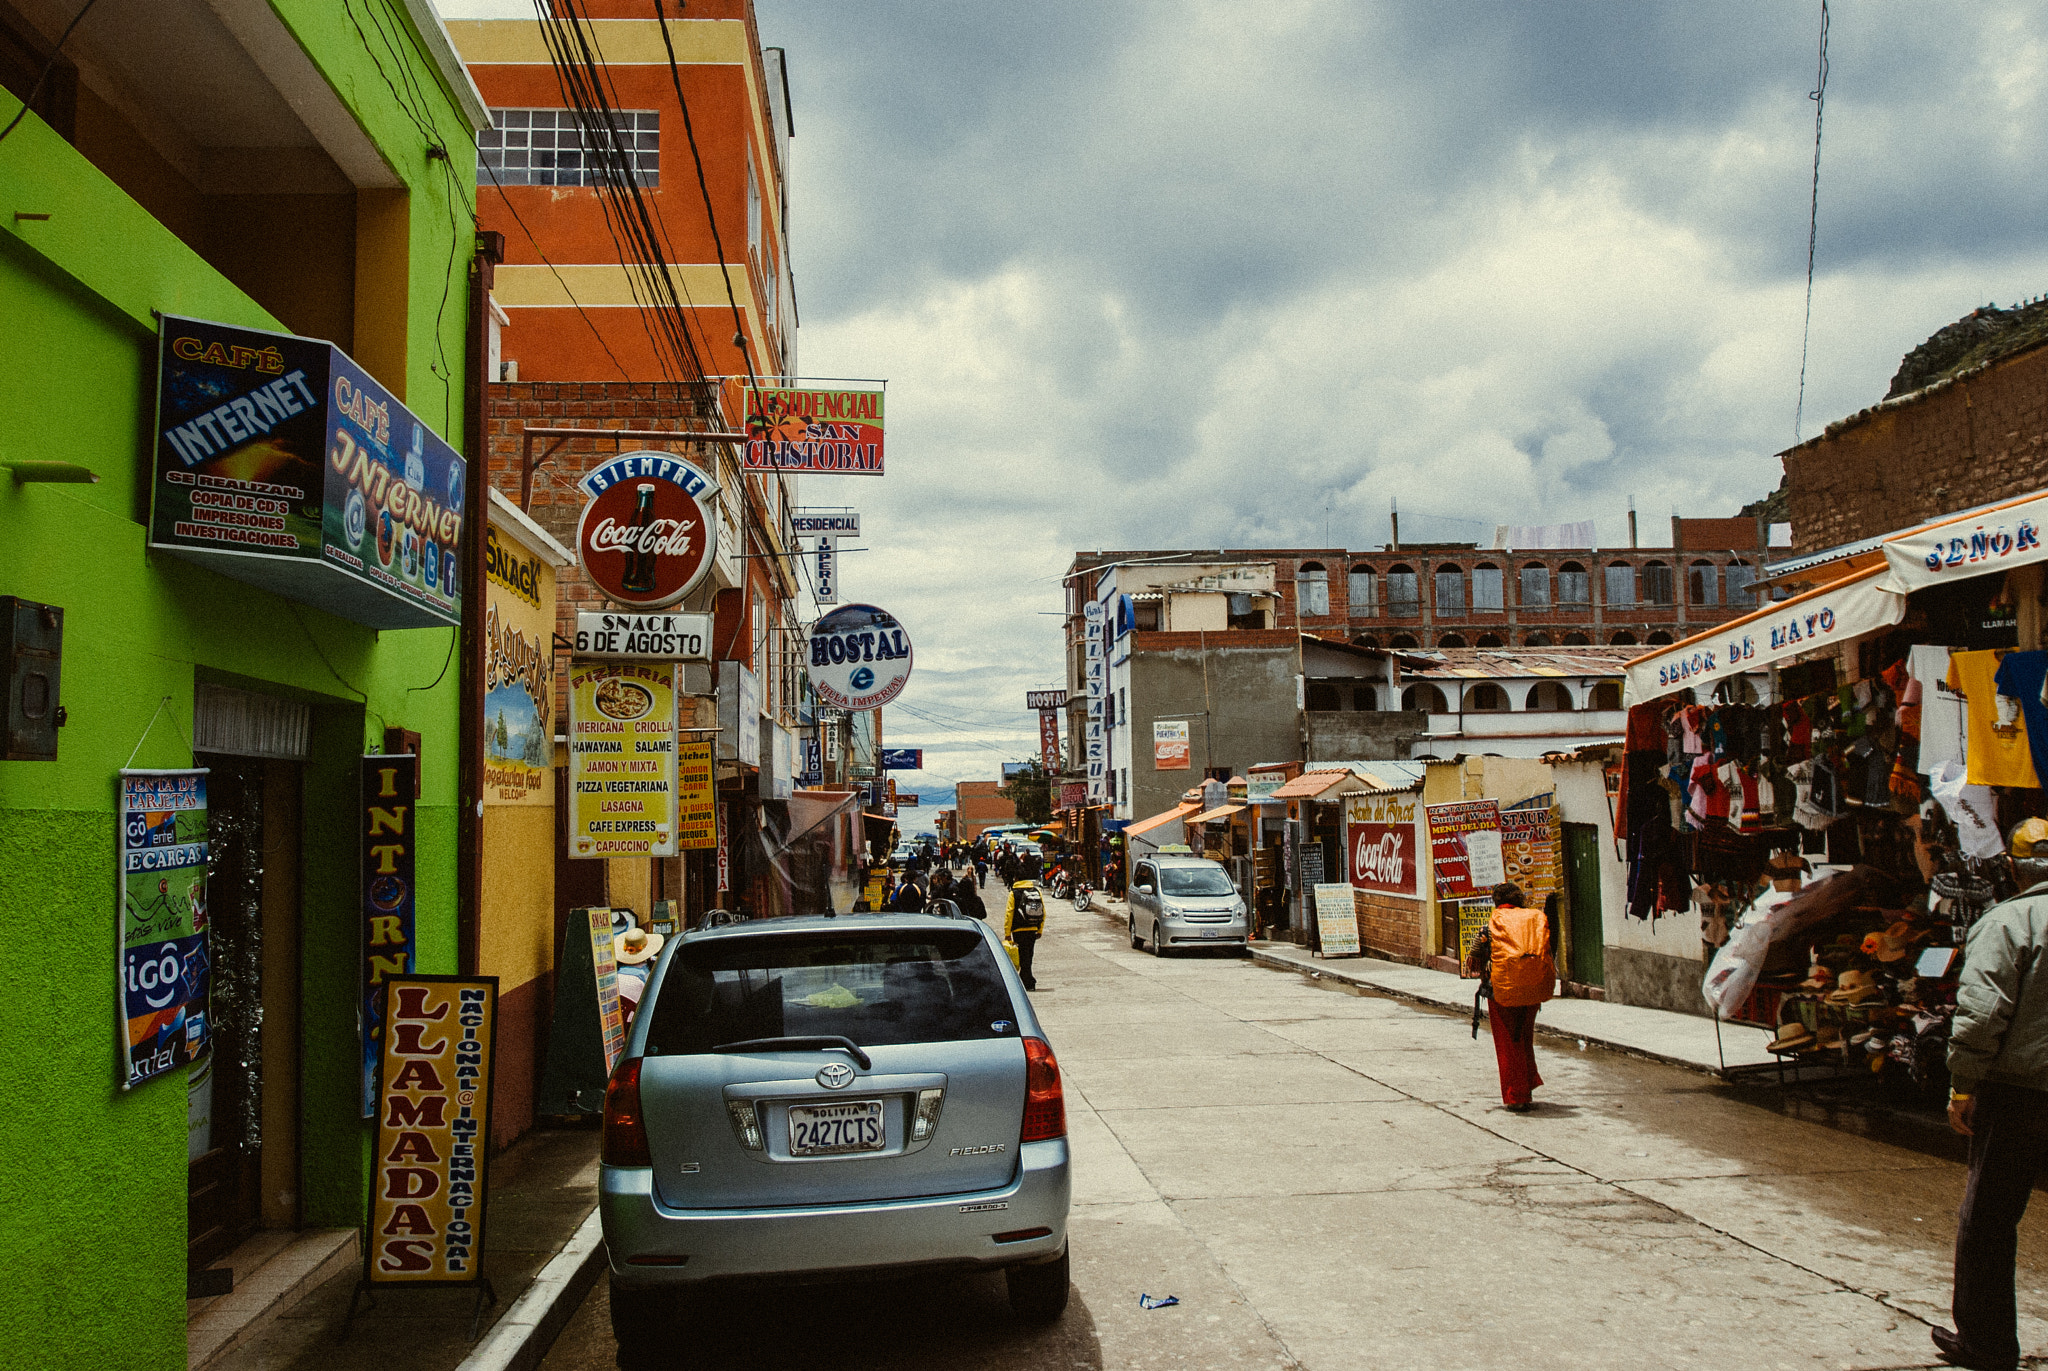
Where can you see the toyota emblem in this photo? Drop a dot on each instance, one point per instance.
(835, 1075)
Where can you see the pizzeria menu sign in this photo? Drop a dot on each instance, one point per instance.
(281, 462)
(622, 759)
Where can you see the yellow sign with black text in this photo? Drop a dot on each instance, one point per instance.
(519, 673)
(622, 759)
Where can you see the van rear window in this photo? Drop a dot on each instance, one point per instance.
(877, 988)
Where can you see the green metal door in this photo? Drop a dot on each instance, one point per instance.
(1582, 881)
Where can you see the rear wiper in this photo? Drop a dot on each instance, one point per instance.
(822, 1042)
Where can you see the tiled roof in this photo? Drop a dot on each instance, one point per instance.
(1518, 663)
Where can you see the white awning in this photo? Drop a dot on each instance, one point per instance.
(1975, 544)
(1834, 613)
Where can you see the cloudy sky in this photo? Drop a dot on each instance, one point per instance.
(1155, 275)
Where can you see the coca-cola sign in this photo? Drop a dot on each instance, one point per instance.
(648, 532)
(1383, 857)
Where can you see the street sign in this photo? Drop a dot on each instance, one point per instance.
(836, 524)
(860, 657)
(647, 534)
(826, 591)
(661, 637)
(902, 759)
(1045, 699)
(908, 798)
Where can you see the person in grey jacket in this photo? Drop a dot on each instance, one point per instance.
(1998, 1071)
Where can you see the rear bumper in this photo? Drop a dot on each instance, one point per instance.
(836, 1241)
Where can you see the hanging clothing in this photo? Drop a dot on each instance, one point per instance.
(1941, 709)
(2020, 677)
(1996, 755)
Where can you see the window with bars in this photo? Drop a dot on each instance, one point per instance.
(549, 147)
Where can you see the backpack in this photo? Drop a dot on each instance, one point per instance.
(1522, 970)
(1029, 915)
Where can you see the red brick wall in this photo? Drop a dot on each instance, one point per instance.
(1980, 438)
(1390, 925)
(978, 806)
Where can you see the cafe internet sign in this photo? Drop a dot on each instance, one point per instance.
(279, 461)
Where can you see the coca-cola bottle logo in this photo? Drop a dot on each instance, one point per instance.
(644, 541)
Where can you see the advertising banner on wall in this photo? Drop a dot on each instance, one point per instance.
(519, 673)
(696, 795)
(622, 759)
(1528, 849)
(902, 759)
(390, 787)
(1464, 848)
(282, 463)
(1380, 834)
(860, 657)
(165, 967)
(648, 531)
(427, 1193)
(833, 431)
(1170, 745)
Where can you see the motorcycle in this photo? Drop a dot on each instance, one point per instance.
(1082, 895)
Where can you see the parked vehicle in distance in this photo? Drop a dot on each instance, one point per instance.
(1180, 901)
(824, 1098)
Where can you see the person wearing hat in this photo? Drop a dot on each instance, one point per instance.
(1998, 1098)
(635, 951)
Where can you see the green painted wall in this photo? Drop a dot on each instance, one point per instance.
(94, 1222)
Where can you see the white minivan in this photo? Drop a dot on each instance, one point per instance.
(1183, 902)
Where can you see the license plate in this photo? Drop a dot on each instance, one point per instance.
(824, 1130)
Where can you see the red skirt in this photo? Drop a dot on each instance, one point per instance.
(1514, 1047)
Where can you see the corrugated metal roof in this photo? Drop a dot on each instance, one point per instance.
(1380, 774)
(1516, 663)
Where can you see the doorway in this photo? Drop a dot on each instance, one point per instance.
(1582, 879)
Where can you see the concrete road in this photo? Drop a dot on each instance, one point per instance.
(1326, 1179)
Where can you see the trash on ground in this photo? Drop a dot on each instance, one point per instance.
(1157, 1301)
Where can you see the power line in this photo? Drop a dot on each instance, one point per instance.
(492, 172)
(1819, 96)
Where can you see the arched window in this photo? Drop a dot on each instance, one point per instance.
(1322, 696)
(1312, 591)
(1364, 640)
(1490, 640)
(1538, 639)
(1623, 639)
(1536, 586)
(1741, 585)
(1488, 589)
(1365, 698)
(1621, 584)
(1402, 642)
(1428, 699)
(1607, 695)
(1404, 593)
(1365, 593)
(1550, 696)
(1576, 639)
(1450, 592)
(1486, 698)
(1702, 581)
(1451, 640)
(1656, 584)
(1574, 587)
(1658, 639)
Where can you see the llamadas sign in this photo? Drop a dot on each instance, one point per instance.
(433, 1131)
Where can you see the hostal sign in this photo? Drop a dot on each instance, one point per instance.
(860, 657)
(647, 535)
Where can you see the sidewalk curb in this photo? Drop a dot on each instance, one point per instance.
(1265, 958)
(519, 1340)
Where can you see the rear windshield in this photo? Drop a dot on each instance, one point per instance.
(1194, 880)
(876, 988)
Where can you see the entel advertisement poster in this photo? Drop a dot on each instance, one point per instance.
(519, 673)
(282, 463)
(1380, 836)
(622, 759)
(165, 967)
(427, 1196)
(390, 784)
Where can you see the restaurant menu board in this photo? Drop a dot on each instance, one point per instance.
(1337, 920)
(587, 1031)
(696, 795)
(165, 969)
(433, 1131)
(1464, 848)
(622, 759)
(1528, 844)
(604, 962)
(1473, 917)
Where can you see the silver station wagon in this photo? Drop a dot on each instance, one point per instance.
(830, 1098)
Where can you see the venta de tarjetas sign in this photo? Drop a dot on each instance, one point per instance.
(647, 534)
(860, 657)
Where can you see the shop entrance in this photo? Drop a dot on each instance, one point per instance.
(243, 1154)
(1582, 881)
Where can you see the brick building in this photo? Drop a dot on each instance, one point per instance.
(976, 806)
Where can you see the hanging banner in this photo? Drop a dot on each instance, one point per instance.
(658, 637)
(1049, 741)
(1045, 699)
(519, 673)
(836, 524)
(389, 787)
(1095, 748)
(724, 850)
(282, 463)
(1464, 848)
(834, 432)
(860, 657)
(428, 1176)
(165, 969)
(902, 759)
(826, 589)
(810, 760)
(1170, 745)
(1380, 835)
(648, 532)
(696, 795)
(622, 759)
(1337, 920)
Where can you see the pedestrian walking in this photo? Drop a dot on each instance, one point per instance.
(1998, 1098)
(968, 897)
(908, 899)
(1023, 923)
(1514, 954)
(942, 885)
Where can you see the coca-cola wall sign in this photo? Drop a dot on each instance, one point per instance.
(282, 463)
(1380, 836)
(860, 657)
(648, 533)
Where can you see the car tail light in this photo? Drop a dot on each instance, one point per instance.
(1045, 1100)
(746, 1123)
(926, 1119)
(625, 1127)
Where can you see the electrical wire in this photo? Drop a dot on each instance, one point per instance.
(513, 210)
(1819, 96)
(51, 65)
